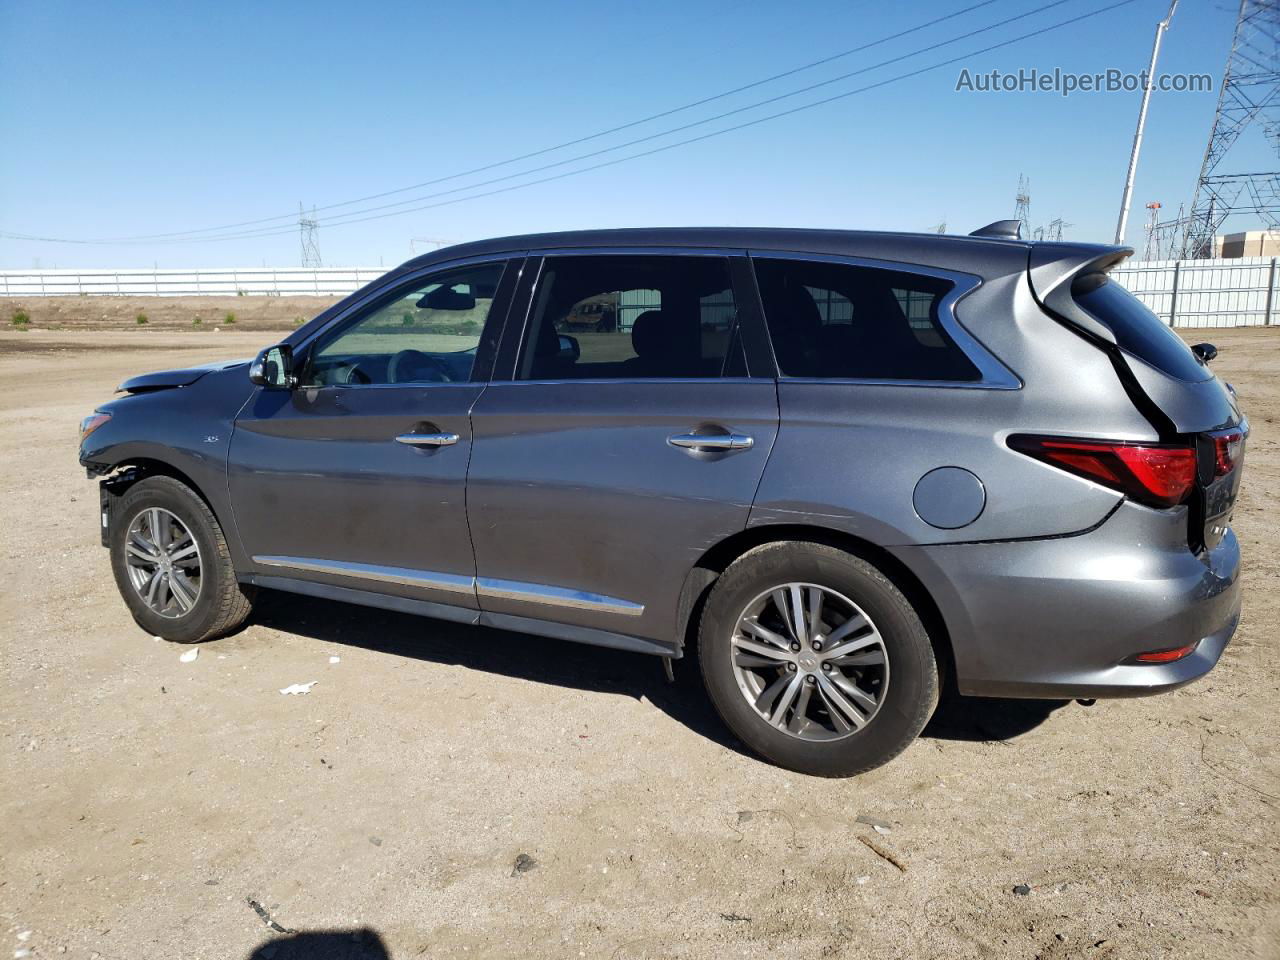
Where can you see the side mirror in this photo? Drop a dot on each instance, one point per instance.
(273, 367)
(569, 348)
(1205, 351)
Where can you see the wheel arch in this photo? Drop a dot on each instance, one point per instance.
(131, 469)
(706, 571)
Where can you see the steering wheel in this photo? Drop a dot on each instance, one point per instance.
(412, 366)
(350, 373)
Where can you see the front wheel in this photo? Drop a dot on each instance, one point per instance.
(171, 563)
(816, 660)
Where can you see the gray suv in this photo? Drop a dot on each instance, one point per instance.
(845, 468)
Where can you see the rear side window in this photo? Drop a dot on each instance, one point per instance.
(1138, 330)
(838, 321)
(632, 317)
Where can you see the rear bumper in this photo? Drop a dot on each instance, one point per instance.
(1063, 618)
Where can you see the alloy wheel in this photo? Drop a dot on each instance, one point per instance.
(810, 662)
(163, 561)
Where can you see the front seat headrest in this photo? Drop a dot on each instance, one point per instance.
(648, 334)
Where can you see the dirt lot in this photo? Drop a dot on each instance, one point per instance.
(197, 314)
(146, 800)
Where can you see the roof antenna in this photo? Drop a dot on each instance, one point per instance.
(1000, 230)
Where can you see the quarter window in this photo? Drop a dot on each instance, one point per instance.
(425, 333)
(632, 317)
(840, 321)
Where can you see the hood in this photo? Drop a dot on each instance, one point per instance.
(164, 379)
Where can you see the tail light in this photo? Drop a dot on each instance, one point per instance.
(1227, 446)
(1157, 475)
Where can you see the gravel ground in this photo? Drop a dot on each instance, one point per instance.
(449, 792)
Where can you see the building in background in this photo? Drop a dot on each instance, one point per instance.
(1251, 243)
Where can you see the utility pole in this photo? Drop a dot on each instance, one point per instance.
(1161, 27)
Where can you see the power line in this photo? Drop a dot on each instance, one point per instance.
(577, 141)
(715, 133)
(354, 217)
(545, 150)
(339, 218)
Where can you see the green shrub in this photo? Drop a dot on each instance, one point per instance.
(141, 319)
(406, 318)
(20, 318)
(299, 321)
(230, 318)
(196, 322)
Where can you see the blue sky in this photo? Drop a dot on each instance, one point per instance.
(139, 118)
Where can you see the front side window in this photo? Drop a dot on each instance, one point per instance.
(425, 333)
(839, 321)
(629, 317)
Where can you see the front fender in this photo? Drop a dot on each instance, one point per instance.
(187, 430)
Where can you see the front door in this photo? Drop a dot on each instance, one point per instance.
(356, 477)
(626, 440)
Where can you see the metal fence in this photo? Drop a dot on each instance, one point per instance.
(1184, 293)
(1238, 292)
(229, 282)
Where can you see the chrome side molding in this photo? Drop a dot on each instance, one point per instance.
(458, 583)
(556, 596)
(452, 582)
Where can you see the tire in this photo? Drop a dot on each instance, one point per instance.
(220, 603)
(810, 736)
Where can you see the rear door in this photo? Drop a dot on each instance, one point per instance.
(356, 478)
(624, 434)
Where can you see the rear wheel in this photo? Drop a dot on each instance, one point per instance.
(171, 563)
(816, 660)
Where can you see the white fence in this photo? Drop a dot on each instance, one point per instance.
(1238, 292)
(230, 282)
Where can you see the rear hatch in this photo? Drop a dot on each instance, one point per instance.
(1172, 386)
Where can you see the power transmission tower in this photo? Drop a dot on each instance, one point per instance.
(1022, 207)
(1250, 94)
(307, 229)
(1167, 236)
(436, 244)
(1053, 232)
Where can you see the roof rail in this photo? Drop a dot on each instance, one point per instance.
(1001, 229)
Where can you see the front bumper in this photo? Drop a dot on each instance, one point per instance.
(1063, 618)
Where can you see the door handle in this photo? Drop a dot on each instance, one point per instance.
(711, 441)
(428, 439)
